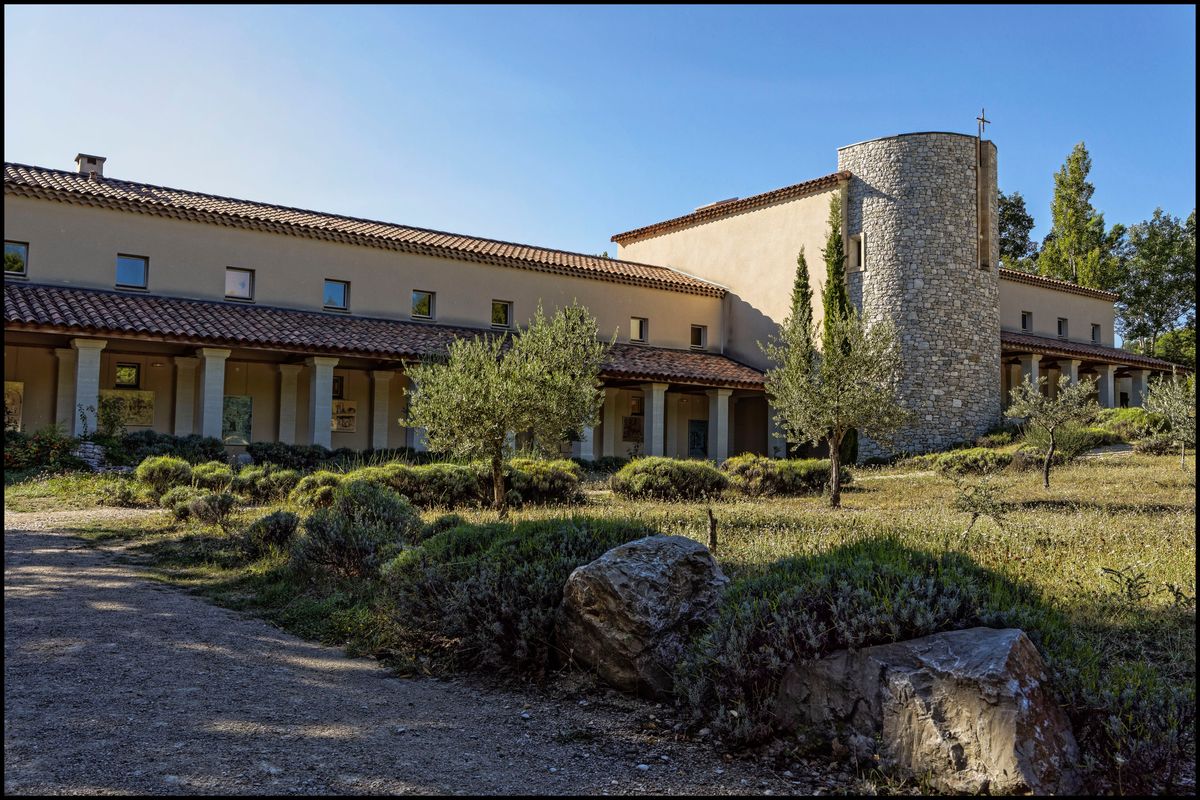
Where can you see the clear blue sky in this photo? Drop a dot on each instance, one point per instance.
(562, 126)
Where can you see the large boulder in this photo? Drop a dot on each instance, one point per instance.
(630, 613)
(971, 711)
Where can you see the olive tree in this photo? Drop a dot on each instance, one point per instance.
(1071, 404)
(1174, 399)
(824, 391)
(543, 381)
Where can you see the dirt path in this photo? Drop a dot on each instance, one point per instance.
(116, 684)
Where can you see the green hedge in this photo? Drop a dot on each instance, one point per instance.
(161, 473)
(759, 476)
(214, 475)
(1129, 424)
(1071, 441)
(970, 461)
(48, 448)
(486, 596)
(455, 485)
(668, 479)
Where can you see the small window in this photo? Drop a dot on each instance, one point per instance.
(337, 294)
(1062, 327)
(339, 387)
(239, 283)
(1095, 333)
(132, 271)
(1026, 320)
(423, 306)
(129, 376)
(16, 258)
(638, 329)
(501, 314)
(699, 337)
(860, 251)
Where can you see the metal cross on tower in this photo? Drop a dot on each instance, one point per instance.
(983, 121)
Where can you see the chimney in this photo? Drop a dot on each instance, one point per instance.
(92, 166)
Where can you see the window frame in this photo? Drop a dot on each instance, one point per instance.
(1097, 334)
(645, 330)
(24, 273)
(145, 286)
(703, 337)
(1064, 329)
(1027, 315)
(235, 297)
(137, 370)
(432, 305)
(345, 295)
(508, 304)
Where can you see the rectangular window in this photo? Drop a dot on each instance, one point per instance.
(337, 294)
(423, 306)
(638, 329)
(501, 314)
(239, 283)
(16, 258)
(129, 376)
(1026, 320)
(699, 337)
(1095, 333)
(1062, 327)
(132, 271)
(339, 387)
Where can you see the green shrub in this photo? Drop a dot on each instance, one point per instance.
(265, 482)
(541, 482)
(607, 464)
(759, 476)
(347, 537)
(121, 493)
(278, 484)
(1129, 424)
(1157, 445)
(316, 490)
(443, 523)
(179, 500)
(213, 508)
(161, 473)
(1071, 441)
(972, 461)
(999, 436)
(302, 457)
(868, 593)
(133, 448)
(668, 479)
(48, 449)
(273, 531)
(485, 596)
(213, 475)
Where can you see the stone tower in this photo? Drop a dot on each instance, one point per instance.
(923, 208)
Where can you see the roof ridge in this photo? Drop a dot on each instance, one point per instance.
(346, 217)
(1019, 275)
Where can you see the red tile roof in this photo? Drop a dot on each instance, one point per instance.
(719, 210)
(91, 312)
(1013, 342)
(1055, 283)
(71, 187)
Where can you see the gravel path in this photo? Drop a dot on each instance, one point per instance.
(116, 684)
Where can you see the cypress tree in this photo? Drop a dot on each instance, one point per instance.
(802, 297)
(836, 303)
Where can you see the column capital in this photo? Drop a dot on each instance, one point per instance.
(290, 369)
(382, 374)
(719, 392)
(219, 353)
(89, 344)
(655, 387)
(321, 361)
(64, 352)
(1034, 357)
(187, 362)
(1106, 367)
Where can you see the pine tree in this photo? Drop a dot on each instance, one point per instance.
(1077, 248)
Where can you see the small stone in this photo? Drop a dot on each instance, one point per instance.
(401, 730)
(664, 758)
(526, 715)
(643, 767)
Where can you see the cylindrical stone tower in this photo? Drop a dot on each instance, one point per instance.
(923, 208)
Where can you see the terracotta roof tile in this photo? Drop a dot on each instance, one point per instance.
(1055, 283)
(742, 205)
(1013, 342)
(71, 187)
(29, 306)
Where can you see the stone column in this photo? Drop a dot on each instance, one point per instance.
(87, 383)
(212, 390)
(718, 424)
(671, 422)
(612, 423)
(381, 382)
(1070, 368)
(1106, 386)
(185, 395)
(655, 408)
(288, 377)
(776, 441)
(320, 398)
(414, 437)
(1139, 379)
(1030, 367)
(64, 392)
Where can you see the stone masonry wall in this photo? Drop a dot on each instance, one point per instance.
(915, 198)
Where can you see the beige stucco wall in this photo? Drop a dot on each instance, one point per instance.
(1047, 305)
(753, 254)
(37, 368)
(77, 245)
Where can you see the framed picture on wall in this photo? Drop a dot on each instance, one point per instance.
(339, 387)
(345, 416)
(632, 428)
(635, 405)
(135, 407)
(235, 421)
(14, 401)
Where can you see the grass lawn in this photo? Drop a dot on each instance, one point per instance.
(1111, 545)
